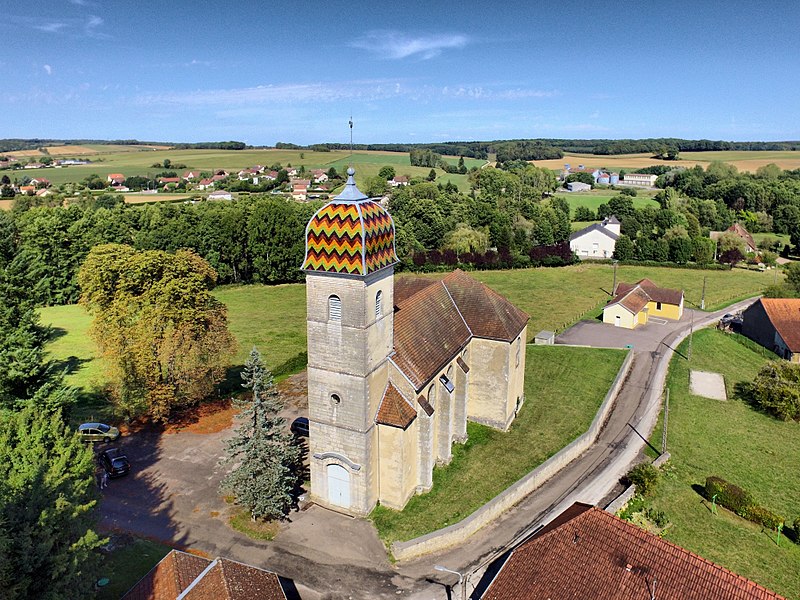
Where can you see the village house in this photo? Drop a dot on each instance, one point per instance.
(739, 231)
(598, 240)
(396, 367)
(115, 178)
(205, 183)
(271, 175)
(634, 304)
(183, 576)
(775, 324)
(27, 189)
(398, 181)
(34, 165)
(578, 186)
(220, 195)
(319, 176)
(299, 188)
(40, 182)
(586, 552)
(189, 175)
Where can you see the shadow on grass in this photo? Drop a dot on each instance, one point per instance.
(53, 333)
(70, 365)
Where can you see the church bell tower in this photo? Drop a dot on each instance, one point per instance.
(349, 266)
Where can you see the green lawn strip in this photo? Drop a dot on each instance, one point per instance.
(564, 387)
(592, 200)
(126, 565)
(733, 441)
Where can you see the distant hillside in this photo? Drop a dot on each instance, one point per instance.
(14, 144)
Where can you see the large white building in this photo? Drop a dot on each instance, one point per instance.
(597, 240)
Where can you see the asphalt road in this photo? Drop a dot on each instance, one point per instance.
(171, 494)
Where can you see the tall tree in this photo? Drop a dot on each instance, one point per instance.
(267, 458)
(48, 548)
(162, 331)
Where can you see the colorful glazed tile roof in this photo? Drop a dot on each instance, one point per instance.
(351, 234)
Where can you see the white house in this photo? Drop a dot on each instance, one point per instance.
(220, 195)
(597, 240)
(641, 179)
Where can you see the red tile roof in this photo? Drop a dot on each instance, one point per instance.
(434, 320)
(635, 296)
(200, 579)
(589, 553)
(395, 410)
(737, 229)
(169, 578)
(784, 313)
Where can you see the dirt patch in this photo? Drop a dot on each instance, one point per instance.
(294, 390)
(708, 385)
(208, 417)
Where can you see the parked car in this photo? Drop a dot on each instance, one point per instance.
(98, 432)
(115, 462)
(300, 426)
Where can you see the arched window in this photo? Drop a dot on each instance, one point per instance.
(432, 395)
(519, 350)
(378, 304)
(334, 308)
(336, 399)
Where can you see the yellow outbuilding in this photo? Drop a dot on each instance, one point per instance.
(634, 304)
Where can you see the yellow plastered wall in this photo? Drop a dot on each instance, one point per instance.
(667, 311)
(398, 464)
(626, 319)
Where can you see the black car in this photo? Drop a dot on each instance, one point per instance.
(115, 462)
(300, 426)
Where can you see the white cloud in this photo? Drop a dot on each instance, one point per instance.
(278, 94)
(481, 92)
(395, 45)
(48, 69)
(53, 27)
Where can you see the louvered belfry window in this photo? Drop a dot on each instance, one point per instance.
(334, 308)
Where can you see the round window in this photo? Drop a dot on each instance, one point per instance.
(335, 398)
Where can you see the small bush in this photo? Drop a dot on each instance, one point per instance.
(765, 517)
(644, 477)
(659, 517)
(730, 496)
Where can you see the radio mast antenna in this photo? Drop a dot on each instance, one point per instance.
(351, 140)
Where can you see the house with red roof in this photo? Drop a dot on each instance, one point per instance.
(398, 181)
(634, 304)
(319, 176)
(189, 175)
(775, 324)
(739, 231)
(115, 178)
(40, 182)
(205, 183)
(587, 553)
(183, 576)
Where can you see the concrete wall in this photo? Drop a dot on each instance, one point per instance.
(459, 532)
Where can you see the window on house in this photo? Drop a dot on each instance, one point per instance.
(658, 305)
(334, 308)
(519, 350)
(378, 304)
(335, 398)
(432, 395)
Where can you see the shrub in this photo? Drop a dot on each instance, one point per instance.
(730, 496)
(659, 517)
(765, 517)
(644, 477)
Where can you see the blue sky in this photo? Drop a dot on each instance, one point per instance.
(430, 71)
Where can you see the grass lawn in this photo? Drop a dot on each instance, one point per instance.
(126, 565)
(545, 424)
(733, 441)
(594, 199)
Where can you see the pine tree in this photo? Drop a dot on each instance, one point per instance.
(267, 458)
(48, 548)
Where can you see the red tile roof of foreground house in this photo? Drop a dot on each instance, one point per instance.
(192, 577)
(784, 313)
(656, 294)
(589, 553)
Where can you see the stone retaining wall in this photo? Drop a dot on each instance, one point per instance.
(620, 501)
(457, 533)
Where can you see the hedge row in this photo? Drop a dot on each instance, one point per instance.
(741, 502)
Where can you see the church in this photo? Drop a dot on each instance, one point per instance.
(396, 367)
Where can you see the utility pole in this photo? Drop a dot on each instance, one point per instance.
(614, 285)
(703, 298)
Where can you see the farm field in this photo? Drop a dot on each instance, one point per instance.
(137, 160)
(744, 161)
(273, 317)
(732, 440)
(594, 199)
(543, 426)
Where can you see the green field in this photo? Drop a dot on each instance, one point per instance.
(130, 160)
(732, 440)
(593, 199)
(126, 565)
(544, 425)
(273, 317)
